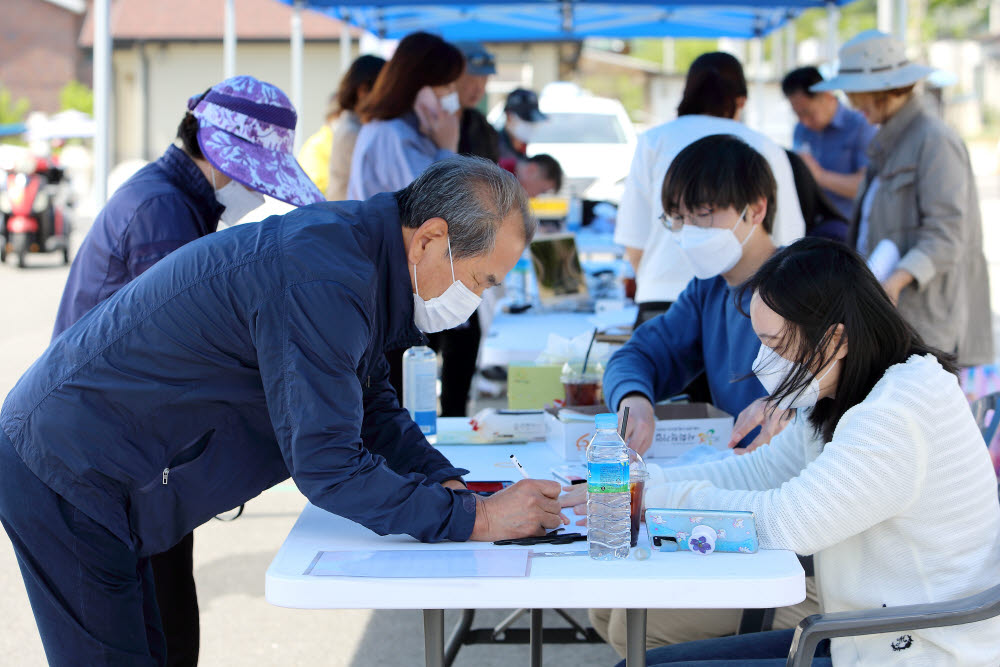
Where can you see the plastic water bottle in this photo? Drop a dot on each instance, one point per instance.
(420, 389)
(574, 215)
(608, 498)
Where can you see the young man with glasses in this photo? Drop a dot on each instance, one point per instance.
(718, 201)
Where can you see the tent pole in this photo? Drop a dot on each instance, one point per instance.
(345, 46)
(884, 12)
(791, 50)
(297, 65)
(102, 99)
(900, 19)
(832, 28)
(757, 58)
(229, 41)
(669, 55)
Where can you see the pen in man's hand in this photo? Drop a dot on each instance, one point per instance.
(520, 468)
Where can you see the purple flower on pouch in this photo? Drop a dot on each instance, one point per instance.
(699, 544)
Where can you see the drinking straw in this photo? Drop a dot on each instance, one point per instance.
(589, 347)
(624, 422)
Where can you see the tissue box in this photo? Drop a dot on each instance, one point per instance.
(679, 427)
(533, 386)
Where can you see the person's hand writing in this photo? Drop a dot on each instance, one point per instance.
(529, 507)
(759, 413)
(641, 422)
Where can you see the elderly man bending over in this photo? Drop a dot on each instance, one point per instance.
(242, 358)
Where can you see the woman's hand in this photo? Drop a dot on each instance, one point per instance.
(895, 284)
(641, 422)
(761, 412)
(442, 128)
(576, 498)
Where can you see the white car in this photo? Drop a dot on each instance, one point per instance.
(591, 137)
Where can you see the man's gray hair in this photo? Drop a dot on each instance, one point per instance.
(473, 195)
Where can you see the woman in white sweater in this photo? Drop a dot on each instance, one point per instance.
(883, 474)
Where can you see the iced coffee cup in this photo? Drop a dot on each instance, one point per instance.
(637, 477)
(582, 388)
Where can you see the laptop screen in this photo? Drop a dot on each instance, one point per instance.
(557, 270)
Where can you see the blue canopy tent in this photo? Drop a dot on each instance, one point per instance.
(558, 21)
(546, 20)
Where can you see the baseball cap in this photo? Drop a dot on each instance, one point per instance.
(478, 61)
(524, 103)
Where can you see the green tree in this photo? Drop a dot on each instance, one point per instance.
(75, 95)
(11, 110)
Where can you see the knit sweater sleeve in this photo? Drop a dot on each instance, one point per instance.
(870, 471)
(764, 468)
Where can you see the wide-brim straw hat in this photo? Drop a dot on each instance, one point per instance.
(873, 61)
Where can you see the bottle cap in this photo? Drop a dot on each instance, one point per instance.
(606, 420)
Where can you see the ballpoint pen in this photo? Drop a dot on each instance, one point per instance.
(520, 468)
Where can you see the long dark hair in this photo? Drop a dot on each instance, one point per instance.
(361, 74)
(714, 83)
(816, 284)
(421, 59)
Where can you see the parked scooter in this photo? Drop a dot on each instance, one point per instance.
(33, 218)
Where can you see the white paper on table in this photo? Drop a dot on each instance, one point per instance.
(702, 454)
(884, 259)
(421, 563)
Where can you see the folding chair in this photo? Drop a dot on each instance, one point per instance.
(979, 607)
(814, 629)
(985, 412)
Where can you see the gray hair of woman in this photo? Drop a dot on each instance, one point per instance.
(474, 196)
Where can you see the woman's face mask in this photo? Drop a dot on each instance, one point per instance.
(447, 311)
(712, 251)
(450, 103)
(772, 369)
(238, 200)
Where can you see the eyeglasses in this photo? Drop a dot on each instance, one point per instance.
(700, 218)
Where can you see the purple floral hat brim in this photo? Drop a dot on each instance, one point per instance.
(273, 172)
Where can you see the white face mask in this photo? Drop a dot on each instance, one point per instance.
(521, 130)
(772, 369)
(238, 200)
(712, 251)
(447, 311)
(449, 103)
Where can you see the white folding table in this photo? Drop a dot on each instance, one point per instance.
(680, 580)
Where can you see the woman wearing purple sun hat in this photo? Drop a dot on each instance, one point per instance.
(233, 146)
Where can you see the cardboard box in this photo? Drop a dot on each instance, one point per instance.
(679, 427)
(533, 386)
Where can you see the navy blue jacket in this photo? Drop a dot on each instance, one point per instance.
(163, 206)
(702, 332)
(243, 357)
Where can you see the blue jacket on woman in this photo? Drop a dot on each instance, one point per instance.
(163, 206)
(244, 357)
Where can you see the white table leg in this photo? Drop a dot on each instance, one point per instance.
(635, 637)
(434, 637)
